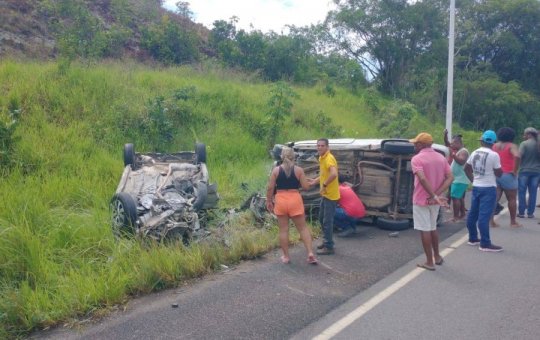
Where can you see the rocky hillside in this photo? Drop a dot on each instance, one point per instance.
(35, 28)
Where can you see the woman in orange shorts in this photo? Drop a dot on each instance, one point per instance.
(284, 200)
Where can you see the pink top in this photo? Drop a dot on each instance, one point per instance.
(434, 166)
(506, 156)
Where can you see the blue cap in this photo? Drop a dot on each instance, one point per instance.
(489, 137)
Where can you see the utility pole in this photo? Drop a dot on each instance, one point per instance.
(450, 85)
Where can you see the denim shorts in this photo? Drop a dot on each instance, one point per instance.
(507, 181)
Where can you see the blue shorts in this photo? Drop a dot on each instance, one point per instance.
(457, 190)
(507, 181)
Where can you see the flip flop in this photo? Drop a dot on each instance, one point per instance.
(440, 262)
(285, 259)
(424, 266)
(312, 260)
(517, 225)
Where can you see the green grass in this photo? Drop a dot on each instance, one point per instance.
(58, 257)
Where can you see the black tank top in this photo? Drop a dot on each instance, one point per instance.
(283, 182)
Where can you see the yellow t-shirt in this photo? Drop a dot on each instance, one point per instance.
(327, 161)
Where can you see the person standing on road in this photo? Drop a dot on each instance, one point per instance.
(329, 190)
(432, 177)
(482, 168)
(529, 172)
(349, 210)
(508, 182)
(284, 200)
(458, 156)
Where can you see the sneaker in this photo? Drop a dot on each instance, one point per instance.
(520, 215)
(320, 246)
(346, 233)
(325, 251)
(491, 248)
(473, 243)
(498, 209)
(530, 216)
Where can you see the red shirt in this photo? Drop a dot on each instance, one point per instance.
(506, 156)
(350, 202)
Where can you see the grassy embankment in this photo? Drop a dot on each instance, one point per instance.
(58, 258)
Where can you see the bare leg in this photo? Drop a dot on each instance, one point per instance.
(427, 244)
(463, 211)
(305, 235)
(511, 196)
(283, 223)
(456, 203)
(435, 245)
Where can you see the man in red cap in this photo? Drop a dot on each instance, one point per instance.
(432, 178)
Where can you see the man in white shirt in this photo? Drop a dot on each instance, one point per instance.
(482, 168)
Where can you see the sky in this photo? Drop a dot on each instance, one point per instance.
(264, 15)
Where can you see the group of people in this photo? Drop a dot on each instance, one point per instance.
(498, 166)
(339, 203)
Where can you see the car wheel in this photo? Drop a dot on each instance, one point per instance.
(129, 155)
(200, 153)
(393, 225)
(398, 147)
(123, 214)
(201, 190)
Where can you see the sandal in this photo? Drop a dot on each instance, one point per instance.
(285, 259)
(425, 266)
(312, 260)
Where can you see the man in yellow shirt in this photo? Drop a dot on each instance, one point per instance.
(329, 190)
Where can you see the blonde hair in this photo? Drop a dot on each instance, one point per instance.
(287, 156)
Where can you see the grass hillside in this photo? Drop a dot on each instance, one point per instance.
(62, 162)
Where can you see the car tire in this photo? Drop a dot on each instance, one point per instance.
(202, 192)
(393, 225)
(398, 147)
(123, 214)
(129, 155)
(276, 152)
(200, 153)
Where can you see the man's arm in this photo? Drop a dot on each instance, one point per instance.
(469, 172)
(333, 174)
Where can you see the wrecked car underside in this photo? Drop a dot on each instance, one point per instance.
(163, 196)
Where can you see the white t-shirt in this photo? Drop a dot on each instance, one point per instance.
(483, 161)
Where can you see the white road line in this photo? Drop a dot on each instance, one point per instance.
(381, 296)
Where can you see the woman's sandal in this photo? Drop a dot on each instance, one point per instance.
(312, 260)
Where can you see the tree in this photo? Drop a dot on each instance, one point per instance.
(504, 37)
(169, 43)
(490, 103)
(386, 36)
(182, 8)
(280, 105)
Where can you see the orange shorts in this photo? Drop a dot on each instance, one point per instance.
(288, 203)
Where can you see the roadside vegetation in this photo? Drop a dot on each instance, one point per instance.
(130, 71)
(62, 134)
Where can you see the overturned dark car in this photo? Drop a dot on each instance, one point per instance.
(379, 169)
(163, 196)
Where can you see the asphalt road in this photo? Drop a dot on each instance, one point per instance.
(261, 299)
(473, 295)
